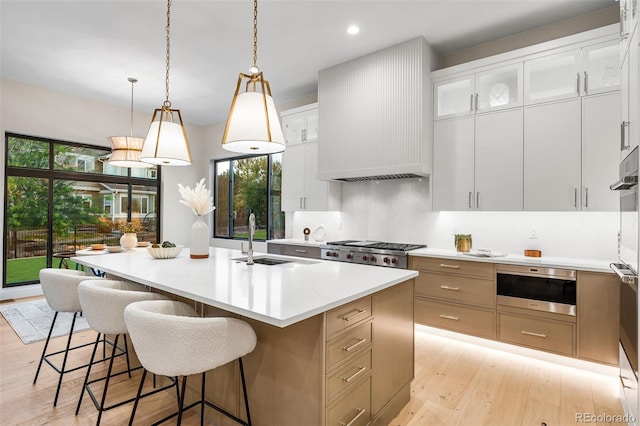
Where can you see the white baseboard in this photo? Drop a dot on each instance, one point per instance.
(20, 291)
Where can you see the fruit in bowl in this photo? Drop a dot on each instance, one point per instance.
(166, 250)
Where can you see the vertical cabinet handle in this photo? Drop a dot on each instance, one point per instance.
(476, 102)
(586, 197)
(586, 83)
(300, 202)
(575, 197)
(471, 102)
(478, 200)
(578, 83)
(623, 131)
(470, 199)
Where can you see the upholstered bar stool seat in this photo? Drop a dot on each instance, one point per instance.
(172, 340)
(103, 303)
(60, 289)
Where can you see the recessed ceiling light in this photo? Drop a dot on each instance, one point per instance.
(353, 29)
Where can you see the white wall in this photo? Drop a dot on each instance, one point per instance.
(34, 111)
(400, 211)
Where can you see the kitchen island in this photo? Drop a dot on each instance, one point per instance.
(335, 340)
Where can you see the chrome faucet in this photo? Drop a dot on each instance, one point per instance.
(252, 230)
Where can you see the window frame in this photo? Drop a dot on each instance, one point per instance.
(229, 213)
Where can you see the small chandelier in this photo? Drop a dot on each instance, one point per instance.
(125, 150)
(253, 126)
(166, 142)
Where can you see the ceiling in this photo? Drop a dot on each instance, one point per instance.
(90, 48)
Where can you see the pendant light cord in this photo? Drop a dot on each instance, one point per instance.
(133, 81)
(167, 103)
(255, 33)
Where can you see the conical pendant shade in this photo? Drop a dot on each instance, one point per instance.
(166, 142)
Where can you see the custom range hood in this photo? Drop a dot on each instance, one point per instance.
(374, 115)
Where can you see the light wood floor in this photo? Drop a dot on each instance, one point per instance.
(455, 384)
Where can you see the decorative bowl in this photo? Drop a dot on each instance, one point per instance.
(164, 252)
(98, 246)
(144, 243)
(114, 249)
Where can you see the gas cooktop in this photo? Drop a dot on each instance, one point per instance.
(376, 245)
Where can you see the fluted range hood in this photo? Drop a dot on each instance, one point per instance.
(374, 115)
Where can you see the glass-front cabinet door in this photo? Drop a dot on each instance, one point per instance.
(552, 77)
(454, 97)
(601, 67)
(499, 88)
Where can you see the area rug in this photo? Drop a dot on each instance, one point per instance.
(32, 320)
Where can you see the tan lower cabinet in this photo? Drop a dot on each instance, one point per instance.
(460, 295)
(538, 333)
(369, 357)
(463, 319)
(598, 315)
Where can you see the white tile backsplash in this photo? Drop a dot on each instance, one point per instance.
(400, 211)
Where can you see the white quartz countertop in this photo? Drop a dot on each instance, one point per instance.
(279, 295)
(515, 259)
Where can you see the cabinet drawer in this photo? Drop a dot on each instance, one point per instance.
(548, 335)
(353, 408)
(347, 344)
(453, 266)
(301, 251)
(463, 319)
(346, 315)
(348, 374)
(453, 288)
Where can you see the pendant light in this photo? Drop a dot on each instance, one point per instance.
(253, 126)
(125, 150)
(166, 143)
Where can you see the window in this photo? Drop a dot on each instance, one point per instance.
(64, 196)
(248, 185)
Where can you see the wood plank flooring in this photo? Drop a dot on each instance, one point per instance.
(455, 384)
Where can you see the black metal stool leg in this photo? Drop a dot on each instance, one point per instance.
(181, 405)
(64, 360)
(126, 349)
(244, 390)
(202, 405)
(106, 382)
(86, 378)
(46, 344)
(135, 404)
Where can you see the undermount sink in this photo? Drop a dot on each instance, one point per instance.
(263, 260)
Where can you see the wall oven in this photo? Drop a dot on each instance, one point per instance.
(542, 289)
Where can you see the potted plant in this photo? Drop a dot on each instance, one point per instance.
(462, 242)
(129, 239)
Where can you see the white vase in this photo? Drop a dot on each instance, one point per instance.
(129, 240)
(199, 239)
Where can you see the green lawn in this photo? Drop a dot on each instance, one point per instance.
(25, 269)
(261, 234)
(28, 268)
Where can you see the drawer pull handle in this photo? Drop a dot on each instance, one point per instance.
(357, 314)
(444, 265)
(531, 333)
(300, 251)
(446, 287)
(356, 374)
(355, 345)
(451, 317)
(361, 411)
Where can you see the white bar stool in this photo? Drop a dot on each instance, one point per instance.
(172, 340)
(60, 288)
(103, 302)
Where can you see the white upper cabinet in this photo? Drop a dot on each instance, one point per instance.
(478, 162)
(628, 21)
(572, 73)
(479, 92)
(301, 188)
(630, 97)
(300, 125)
